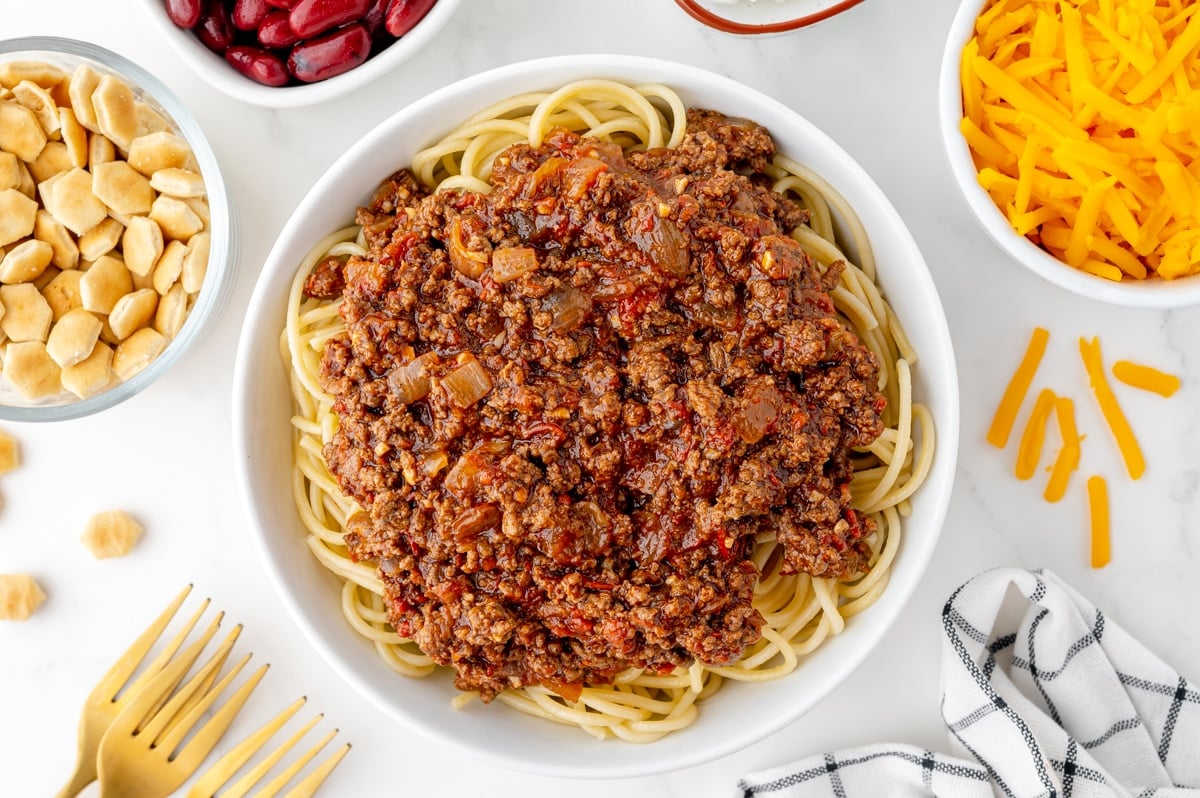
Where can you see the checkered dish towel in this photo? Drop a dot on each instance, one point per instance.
(1046, 695)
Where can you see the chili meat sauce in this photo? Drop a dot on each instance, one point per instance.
(569, 406)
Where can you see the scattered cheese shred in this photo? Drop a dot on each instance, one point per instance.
(1067, 460)
(1145, 377)
(1082, 116)
(1131, 452)
(1101, 536)
(1018, 386)
(1029, 453)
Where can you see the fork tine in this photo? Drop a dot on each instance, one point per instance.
(203, 742)
(112, 682)
(205, 684)
(279, 782)
(103, 704)
(130, 718)
(244, 784)
(308, 787)
(189, 656)
(173, 714)
(224, 768)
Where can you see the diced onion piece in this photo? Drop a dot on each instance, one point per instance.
(512, 262)
(579, 175)
(1101, 536)
(1145, 377)
(1018, 386)
(1131, 452)
(467, 262)
(459, 478)
(567, 309)
(433, 463)
(410, 382)
(468, 383)
(473, 520)
(762, 406)
(1030, 451)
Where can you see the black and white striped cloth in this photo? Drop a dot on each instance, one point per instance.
(1042, 696)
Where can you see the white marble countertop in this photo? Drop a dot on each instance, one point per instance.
(868, 79)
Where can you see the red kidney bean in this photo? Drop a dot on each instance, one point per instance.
(249, 14)
(331, 54)
(258, 65)
(312, 17)
(215, 29)
(403, 15)
(286, 5)
(275, 32)
(373, 19)
(184, 13)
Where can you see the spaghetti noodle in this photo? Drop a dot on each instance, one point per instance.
(800, 611)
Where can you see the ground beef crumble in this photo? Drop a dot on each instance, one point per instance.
(657, 377)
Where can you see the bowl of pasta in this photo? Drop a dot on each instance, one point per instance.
(586, 392)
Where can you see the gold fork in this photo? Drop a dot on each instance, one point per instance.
(117, 688)
(143, 754)
(225, 768)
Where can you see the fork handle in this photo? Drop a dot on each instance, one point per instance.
(85, 774)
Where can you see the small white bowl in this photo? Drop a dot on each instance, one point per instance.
(1148, 293)
(214, 69)
(739, 714)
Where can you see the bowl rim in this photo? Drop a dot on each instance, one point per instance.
(262, 314)
(221, 271)
(1155, 293)
(697, 11)
(218, 74)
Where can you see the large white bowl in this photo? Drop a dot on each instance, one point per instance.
(223, 77)
(1149, 293)
(739, 714)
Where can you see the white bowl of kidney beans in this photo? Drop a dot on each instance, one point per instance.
(295, 52)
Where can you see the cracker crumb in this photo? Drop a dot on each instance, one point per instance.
(20, 596)
(112, 533)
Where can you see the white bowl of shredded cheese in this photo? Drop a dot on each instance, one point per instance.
(1097, 200)
(737, 714)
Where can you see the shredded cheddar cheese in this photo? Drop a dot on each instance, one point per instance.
(1067, 460)
(1018, 386)
(1101, 536)
(1029, 454)
(1082, 117)
(1131, 452)
(1145, 377)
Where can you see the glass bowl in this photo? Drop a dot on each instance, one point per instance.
(68, 54)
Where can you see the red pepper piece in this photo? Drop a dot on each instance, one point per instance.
(286, 5)
(310, 18)
(215, 28)
(249, 14)
(184, 13)
(259, 65)
(275, 33)
(403, 15)
(331, 54)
